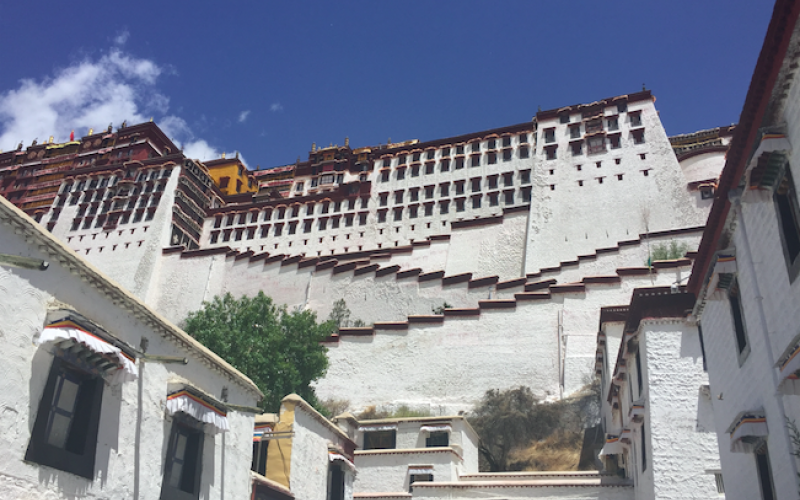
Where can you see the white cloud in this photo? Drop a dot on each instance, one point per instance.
(92, 94)
(122, 37)
(276, 106)
(243, 116)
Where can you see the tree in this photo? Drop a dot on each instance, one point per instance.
(279, 350)
(340, 313)
(510, 421)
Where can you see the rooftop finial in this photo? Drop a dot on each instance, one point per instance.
(35, 142)
(347, 142)
(237, 155)
(50, 140)
(91, 131)
(223, 155)
(643, 87)
(313, 147)
(110, 127)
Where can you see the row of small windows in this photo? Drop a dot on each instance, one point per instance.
(102, 182)
(474, 147)
(337, 206)
(621, 108)
(348, 220)
(595, 144)
(459, 187)
(457, 163)
(100, 194)
(112, 220)
(593, 126)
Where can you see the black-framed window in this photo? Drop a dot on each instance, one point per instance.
(789, 222)
(380, 440)
(437, 439)
(65, 431)
(259, 464)
(764, 473)
(418, 478)
(184, 460)
(643, 448)
(335, 482)
(737, 316)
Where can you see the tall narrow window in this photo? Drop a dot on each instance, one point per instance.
(182, 466)
(335, 482)
(789, 221)
(737, 315)
(764, 473)
(644, 450)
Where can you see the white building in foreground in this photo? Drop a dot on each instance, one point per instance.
(656, 406)
(101, 396)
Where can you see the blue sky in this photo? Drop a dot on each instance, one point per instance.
(269, 78)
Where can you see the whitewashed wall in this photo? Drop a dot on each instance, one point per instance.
(24, 299)
(679, 453)
(568, 220)
(543, 491)
(310, 463)
(387, 470)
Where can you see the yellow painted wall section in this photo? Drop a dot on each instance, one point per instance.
(231, 171)
(279, 452)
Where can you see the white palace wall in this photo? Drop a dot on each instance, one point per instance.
(445, 366)
(591, 201)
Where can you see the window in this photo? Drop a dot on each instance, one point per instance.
(494, 199)
(460, 149)
(575, 132)
(259, 463)
(523, 138)
(550, 153)
(437, 439)
(508, 197)
(362, 219)
(639, 371)
(445, 151)
(643, 448)
(615, 141)
(444, 189)
(526, 194)
(460, 205)
(445, 165)
(444, 207)
(299, 187)
(398, 197)
(735, 301)
(384, 176)
(638, 136)
(764, 473)
(476, 202)
(491, 144)
(418, 478)
(577, 148)
(492, 179)
(64, 434)
(416, 156)
(596, 145)
(401, 174)
(183, 463)
(459, 187)
(380, 440)
(384, 199)
(428, 192)
(430, 154)
(413, 210)
(492, 158)
(414, 194)
(636, 119)
(476, 147)
(335, 482)
(507, 141)
(398, 213)
(414, 170)
(459, 163)
(475, 161)
(428, 209)
(381, 218)
(475, 184)
(613, 123)
(564, 117)
(429, 167)
(549, 135)
(507, 154)
(622, 107)
(789, 221)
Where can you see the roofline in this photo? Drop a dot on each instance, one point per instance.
(57, 251)
(759, 94)
(642, 95)
(299, 401)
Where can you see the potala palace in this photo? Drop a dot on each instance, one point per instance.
(516, 256)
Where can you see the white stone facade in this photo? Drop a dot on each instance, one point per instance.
(656, 407)
(134, 427)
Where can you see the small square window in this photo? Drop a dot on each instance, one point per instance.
(507, 155)
(564, 117)
(401, 174)
(507, 142)
(575, 132)
(437, 439)
(445, 165)
(459, 163)
(384, 176)
(429, 167)
(524, 152)
(476, 202)
(460, 205)
(550, 153)
(475, 161)
(428, 210)
(549, 135)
